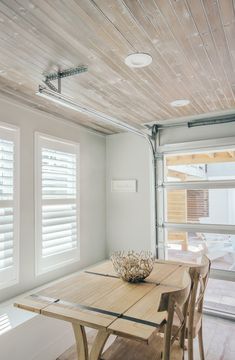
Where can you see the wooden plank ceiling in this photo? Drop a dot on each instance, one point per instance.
(191, 43)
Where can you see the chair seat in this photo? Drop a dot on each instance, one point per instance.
(126, 349)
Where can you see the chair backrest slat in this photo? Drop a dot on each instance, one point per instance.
(176, 303)
(199, 276)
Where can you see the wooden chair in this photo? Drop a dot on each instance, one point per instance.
(167, 346)
(199, 276)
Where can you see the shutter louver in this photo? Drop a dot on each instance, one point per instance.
(6, 193)
(8, 206)
(58, 213)
(6, 169)
(58, 174)
(59, 229)
(197, 204)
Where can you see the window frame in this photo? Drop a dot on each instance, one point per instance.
(46, 264)
(12, 133)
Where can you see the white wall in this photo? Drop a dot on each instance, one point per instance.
(218, 171)
(92, 185)
(129, 215)
(221, 207)
(218, 207)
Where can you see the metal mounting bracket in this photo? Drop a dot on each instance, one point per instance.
(62, 74)
(154, 130)
(158, 156)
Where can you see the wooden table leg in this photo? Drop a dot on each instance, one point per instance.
(98, 344)
(81, 341)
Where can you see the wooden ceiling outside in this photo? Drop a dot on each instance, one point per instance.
(201, 158)
(191, 42)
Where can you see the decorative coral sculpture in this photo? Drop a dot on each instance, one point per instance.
(132, 266)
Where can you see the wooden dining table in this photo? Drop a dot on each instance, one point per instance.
(99, 299)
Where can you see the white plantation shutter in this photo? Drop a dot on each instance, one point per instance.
(8, 206)
(6, 238)
(58, 174)
(57, 213)
(59, 228)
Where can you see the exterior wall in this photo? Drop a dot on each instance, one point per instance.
(92, 189)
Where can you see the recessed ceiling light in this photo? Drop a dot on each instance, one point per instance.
(138, 60)
(179, 102)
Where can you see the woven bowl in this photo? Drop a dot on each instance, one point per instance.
(132, 266)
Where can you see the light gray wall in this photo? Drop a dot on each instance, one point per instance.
(92, 186)
(129, 215)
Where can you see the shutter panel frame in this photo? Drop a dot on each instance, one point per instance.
(57, 203)
(9, 205)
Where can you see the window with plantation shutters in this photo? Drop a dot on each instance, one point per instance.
(57, 232)
(9, 242)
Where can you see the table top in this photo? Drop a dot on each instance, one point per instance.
(98, 298)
